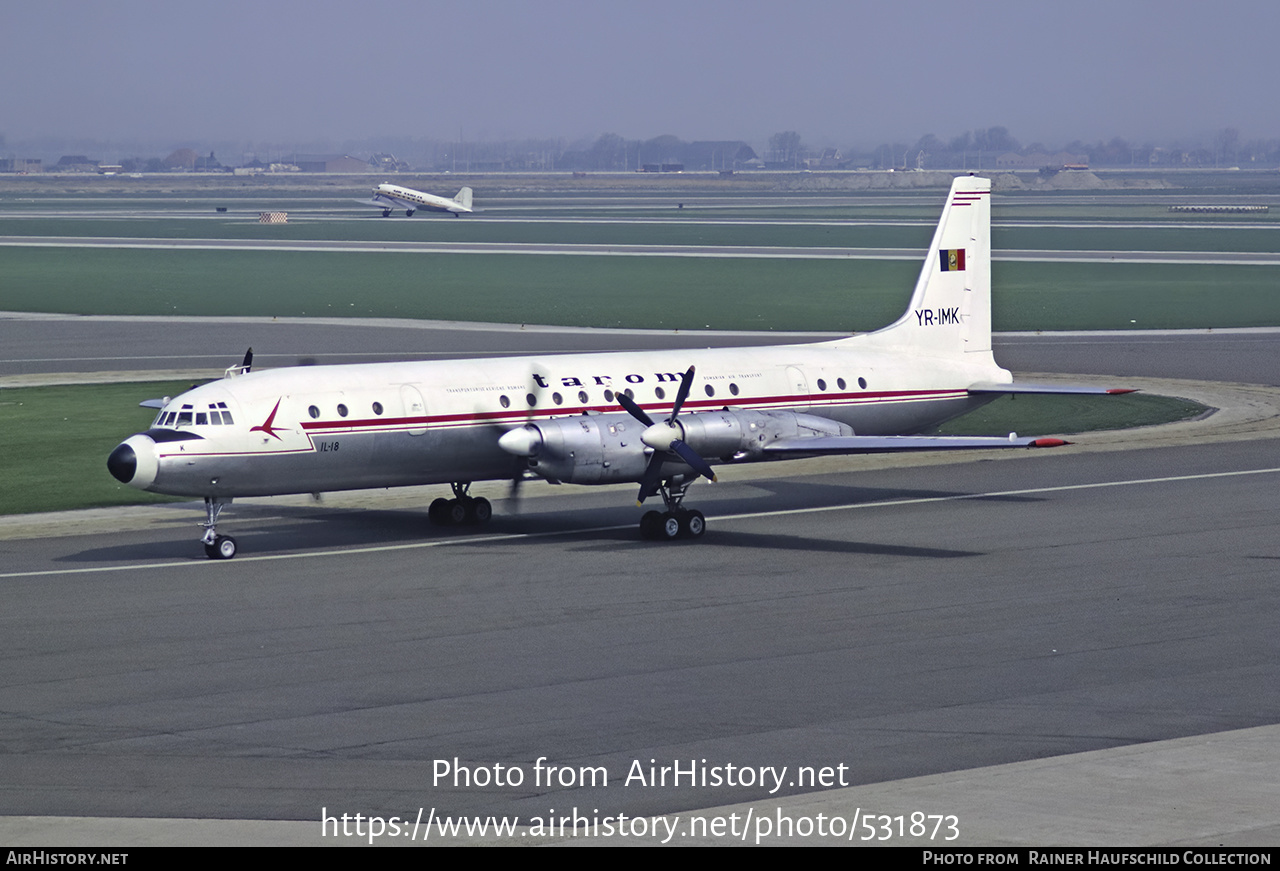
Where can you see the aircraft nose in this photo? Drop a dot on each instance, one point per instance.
(123, 463)
(134, 462)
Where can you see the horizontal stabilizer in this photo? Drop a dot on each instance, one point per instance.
(1064, 389)
(857, 444)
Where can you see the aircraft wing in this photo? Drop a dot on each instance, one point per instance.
(857, 444)
(1065, 389)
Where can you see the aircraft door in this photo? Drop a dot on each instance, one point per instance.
(798, 386)
(414, 406)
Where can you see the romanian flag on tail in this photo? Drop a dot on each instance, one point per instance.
(952, 260)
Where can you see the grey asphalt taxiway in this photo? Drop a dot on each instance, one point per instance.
(1035, 643)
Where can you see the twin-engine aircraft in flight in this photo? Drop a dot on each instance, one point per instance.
(659, 419)
(391, 196)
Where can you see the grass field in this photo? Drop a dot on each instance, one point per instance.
(685, 230)
(622, 291)
(58, 438)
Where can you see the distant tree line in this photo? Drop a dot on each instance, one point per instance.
(979, 149)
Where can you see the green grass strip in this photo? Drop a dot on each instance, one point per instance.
(623, 291)
(57, 440)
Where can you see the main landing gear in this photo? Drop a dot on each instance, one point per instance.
(216, 546)
(461, 509)
(677, 521)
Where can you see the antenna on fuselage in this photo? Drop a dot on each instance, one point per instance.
(243, 369)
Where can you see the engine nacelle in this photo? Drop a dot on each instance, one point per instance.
(589, 449)
(741, 434)
(607, 448)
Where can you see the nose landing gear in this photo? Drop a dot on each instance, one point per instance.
(216, 546)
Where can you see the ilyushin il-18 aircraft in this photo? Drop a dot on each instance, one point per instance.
(391, 196)
(659, 419)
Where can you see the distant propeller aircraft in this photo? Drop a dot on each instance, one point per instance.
(391, 196)
(596, 418)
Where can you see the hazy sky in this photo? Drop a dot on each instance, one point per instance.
(840, 73)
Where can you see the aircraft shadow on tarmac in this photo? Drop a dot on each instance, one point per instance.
(776, 542)
(268, 530)
(787, 495)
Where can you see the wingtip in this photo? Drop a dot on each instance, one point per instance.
(1049, 443)
(1118, 390)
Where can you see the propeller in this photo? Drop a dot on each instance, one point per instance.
(522, 444)
(665, 437)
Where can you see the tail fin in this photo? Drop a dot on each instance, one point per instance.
(463, 198)
(950, 311)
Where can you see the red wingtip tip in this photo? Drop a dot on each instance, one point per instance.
(1115, 390)
(1049, 443)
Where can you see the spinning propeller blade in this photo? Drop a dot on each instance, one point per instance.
(665, 438)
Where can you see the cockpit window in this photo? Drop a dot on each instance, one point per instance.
(216, 415)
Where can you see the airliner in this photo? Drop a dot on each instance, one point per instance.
(391, 196)
(659, 419)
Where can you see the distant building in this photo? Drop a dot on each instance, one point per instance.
(75, 163)
(830, 158)
(183, 158)
(328, 163)
(208, 164)
(20, 165)
(1038, 160)
(387, 162)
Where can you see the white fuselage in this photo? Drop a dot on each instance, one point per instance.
(324, 428)
(408, 198)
